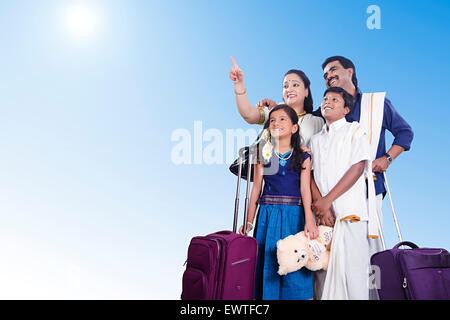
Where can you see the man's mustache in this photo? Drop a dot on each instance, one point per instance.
(332, 78)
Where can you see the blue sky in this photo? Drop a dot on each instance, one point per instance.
(92, 205)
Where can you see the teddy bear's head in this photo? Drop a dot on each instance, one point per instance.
(292, 254)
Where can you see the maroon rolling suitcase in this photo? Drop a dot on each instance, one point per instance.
(222, 265)
(412, 274)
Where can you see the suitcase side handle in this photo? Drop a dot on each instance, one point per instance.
(224, 233)
(406, 243)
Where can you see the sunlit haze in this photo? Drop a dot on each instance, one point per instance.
(81, 20)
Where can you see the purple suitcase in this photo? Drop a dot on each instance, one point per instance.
(222, 265)
(411, 274)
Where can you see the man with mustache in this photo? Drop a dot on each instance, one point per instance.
(340, 72)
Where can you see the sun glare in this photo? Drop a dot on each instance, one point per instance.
(81, 20)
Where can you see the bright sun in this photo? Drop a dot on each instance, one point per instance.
(81, 20)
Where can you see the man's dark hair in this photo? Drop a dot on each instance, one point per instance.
(348, 98)
(346, 63)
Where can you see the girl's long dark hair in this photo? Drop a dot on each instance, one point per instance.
(308, 103)
(297, 153)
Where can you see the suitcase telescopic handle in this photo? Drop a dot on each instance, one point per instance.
(394, 214)
(249, 179)
(236, 201)
(238, 188)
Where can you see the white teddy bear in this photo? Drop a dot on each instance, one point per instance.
(296, 251)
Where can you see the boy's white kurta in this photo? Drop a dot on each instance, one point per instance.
(334, 151)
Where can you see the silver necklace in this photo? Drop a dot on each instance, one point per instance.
(281, 158)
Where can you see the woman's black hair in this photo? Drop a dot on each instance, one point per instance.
(348, 98)
(308, 103)
(297, 153)
(346, 63)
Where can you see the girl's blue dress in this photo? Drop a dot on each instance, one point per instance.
(280, 215)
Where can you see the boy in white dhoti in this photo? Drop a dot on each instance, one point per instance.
(340, 161)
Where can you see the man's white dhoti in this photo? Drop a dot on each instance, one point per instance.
(375, 244)
(372, 113)
(347, 275)
(371, 119)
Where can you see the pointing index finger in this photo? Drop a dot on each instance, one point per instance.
(234, 62)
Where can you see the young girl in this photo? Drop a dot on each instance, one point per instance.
(281, 213)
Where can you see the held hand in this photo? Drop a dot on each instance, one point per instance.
(321, 206)
(319, 221)
(380, 165)
(241, 229)
(267, 103)
(311, 230)
(317, 214)
(328, 219)
(236, 75)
